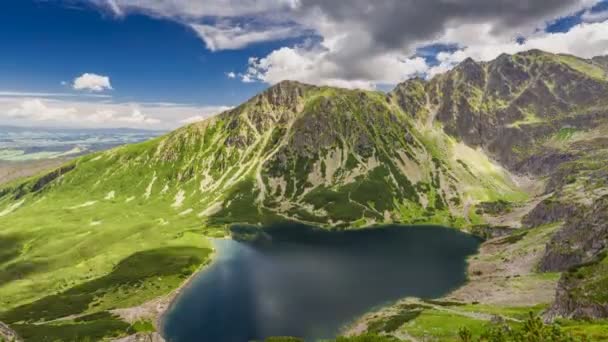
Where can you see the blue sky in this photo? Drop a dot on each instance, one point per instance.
(163, 63)
(148, 59)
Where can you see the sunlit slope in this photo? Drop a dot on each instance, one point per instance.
(295, 152)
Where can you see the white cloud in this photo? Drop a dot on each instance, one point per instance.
(109, 115)
(137, 117)
(42, 94)
(92, 82)
(199, 8)
(114, 7)
(227, 37)
(231, 74)
(360, 43)
(84, 113)
(584, 40)
(314, 65)
(205, 113)
(594, 17)
(38, 110)
(322, 64)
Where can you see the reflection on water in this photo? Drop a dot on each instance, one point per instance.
(311, 284)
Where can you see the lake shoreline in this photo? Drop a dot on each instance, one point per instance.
(372, 233)
(172, 297)
(156, 309)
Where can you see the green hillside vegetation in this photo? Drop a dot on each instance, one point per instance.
(447, 151)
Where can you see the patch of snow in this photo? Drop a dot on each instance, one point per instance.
(186, 212)
(149, 188)
(95, 223)
(96, 158)
(163, 222)
(9, 209)
(110, 195)
(130, 199)
(208, 180)
(85, 204)
(212, 209)
(179, 199)
(165, 189)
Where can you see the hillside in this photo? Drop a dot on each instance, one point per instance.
(488, 147)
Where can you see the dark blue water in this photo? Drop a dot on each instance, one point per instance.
(311, 284)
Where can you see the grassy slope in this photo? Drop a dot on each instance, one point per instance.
(165, 192)
(149, 195)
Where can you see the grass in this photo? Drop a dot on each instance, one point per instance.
(362, 338)
(446, 322)
(393, 322)
(140, 277)
(589, 282)
(584, 67)
(593, 331)
(84, 330)
(143, 326)
(442, 325)
(63, 248)
(516, 312)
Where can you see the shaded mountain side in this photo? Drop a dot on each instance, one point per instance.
(545, 115)
(510, 105)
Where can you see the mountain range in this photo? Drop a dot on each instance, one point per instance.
(496, 148)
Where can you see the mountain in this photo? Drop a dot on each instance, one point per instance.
(545, 116)
(488, 146)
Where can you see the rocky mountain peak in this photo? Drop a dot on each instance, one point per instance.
(285, 93)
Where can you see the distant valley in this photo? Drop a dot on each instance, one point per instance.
(35, 143)
(25, 151)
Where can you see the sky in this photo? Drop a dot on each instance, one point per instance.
(160, 64)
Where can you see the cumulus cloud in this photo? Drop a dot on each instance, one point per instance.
(92, 82)
(4, 93)
(594, 17)
(362, 43)
(38, 110)
(205, 113)
(585, 40)
(231, 74)
(231, 37)
(317, 66)
(199, 8)
(86, 113)
(114, 7)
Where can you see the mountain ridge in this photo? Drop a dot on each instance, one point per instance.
(452, 150)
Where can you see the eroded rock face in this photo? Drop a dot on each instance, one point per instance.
(549, 211)
(571, 306)
(580, 248)
(581, 240)
(582, 292)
